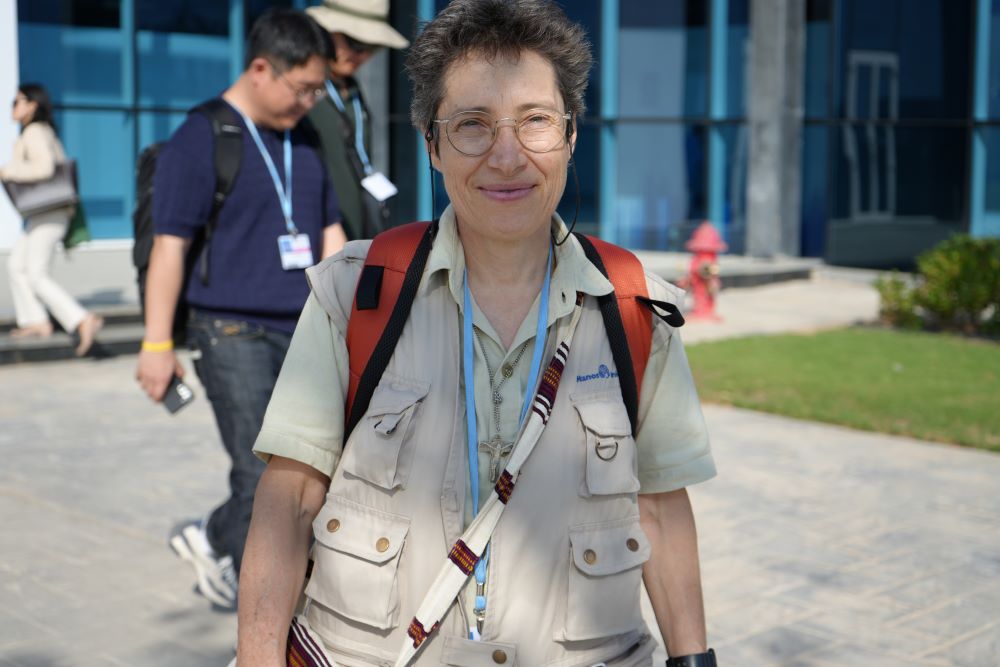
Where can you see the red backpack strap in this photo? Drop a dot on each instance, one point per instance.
(382, 301)
(627, 320)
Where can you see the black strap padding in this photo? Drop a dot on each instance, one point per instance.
(228, 154)
(369, 287)
(615, 330)
(673, 315)
(379, 360)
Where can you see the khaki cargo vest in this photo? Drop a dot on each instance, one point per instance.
(566, 557)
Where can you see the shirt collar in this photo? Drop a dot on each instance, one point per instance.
(573, 271)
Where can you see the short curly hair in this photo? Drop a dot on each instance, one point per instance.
(496, 28)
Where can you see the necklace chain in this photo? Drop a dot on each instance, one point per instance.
(506, 371)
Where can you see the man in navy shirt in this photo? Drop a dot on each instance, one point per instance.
(280, 217)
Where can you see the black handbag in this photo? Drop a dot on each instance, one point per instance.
(58, 191)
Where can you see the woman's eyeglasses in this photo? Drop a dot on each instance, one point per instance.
(473, 133)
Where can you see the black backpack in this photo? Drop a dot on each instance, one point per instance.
(227, 134)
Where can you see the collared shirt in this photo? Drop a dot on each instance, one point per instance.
(305, 419)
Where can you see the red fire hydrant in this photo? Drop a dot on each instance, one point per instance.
(703, 274)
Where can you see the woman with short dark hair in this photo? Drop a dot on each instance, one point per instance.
(403, 507)
(36, 153)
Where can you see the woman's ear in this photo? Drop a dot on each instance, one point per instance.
(571, 135)
(430, 144)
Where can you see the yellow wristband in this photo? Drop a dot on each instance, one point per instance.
(157, 347)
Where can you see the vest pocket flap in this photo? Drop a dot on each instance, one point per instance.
(360, 531)
(394, 395)
(603, 414)
(603, 549)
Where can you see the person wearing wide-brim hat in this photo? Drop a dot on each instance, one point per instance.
(358, 28)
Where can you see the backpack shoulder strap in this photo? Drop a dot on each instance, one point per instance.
(227, 135)
(382, 301)
(627, 320)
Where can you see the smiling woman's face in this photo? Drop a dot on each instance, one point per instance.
(508, 193)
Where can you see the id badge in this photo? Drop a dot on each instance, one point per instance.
(379, 186)
(296, 251)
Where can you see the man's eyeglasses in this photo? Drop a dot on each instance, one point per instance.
(473, 133)
(360, 47)
(304, 95)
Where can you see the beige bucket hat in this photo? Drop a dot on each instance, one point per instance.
(364, 20)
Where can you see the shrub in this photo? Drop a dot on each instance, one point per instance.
(897, 307)
(957, 288)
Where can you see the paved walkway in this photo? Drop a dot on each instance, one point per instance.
(821, 546)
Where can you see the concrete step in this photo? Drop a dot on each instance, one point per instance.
(122, 334)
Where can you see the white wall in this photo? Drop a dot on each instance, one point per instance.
(10, 221)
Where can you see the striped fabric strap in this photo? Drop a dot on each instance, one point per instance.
(459, 564)
(303, 649)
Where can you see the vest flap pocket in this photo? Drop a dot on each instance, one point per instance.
(356, 562)
(376, 451)
(602, 595)
(602, 549)
(363, 532)
(611, 457)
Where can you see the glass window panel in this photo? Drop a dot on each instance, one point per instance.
(186, 16)
(92, 13)
(896, 191)
(737, 57)
(994, 64)
(158, 126)
(814, 189)
(922, 44)
(734, 206)
(990, 226)
(178, 70)
(101, 143)
(77, 65)
(661, 190)
(663, 59)
(819, 26)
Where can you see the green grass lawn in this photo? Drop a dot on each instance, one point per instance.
(929, 386)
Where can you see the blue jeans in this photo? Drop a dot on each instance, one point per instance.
(238, 365)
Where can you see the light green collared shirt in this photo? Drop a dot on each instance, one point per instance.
(305, 419)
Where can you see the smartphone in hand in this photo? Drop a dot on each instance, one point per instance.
(178, 395)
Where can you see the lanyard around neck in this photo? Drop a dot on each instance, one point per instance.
(468, 354)
(284, 193)
(359, 129)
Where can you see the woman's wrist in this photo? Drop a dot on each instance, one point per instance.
(706, 659)
(157, 346)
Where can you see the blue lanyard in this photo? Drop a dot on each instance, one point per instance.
(284, 193)
(359, 130)
(468, 354)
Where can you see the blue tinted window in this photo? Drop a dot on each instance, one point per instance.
(663, 59)
(737, 56)
(661, 189)
(814, 189)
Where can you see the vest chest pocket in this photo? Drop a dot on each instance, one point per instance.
(604, 579)
(375, 452)
(611, 456)
(356, 556)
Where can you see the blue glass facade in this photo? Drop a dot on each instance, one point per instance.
(900, 138)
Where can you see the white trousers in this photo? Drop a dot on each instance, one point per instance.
(33, 288)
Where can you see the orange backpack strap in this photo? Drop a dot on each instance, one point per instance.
(627, 314)
(382, 300)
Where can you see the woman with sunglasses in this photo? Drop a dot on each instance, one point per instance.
(36, 153)
(358, 28)
(467, 395)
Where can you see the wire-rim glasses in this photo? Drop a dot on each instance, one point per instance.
(303, 95)
(473, 133)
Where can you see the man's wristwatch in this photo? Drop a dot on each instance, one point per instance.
(706, 659)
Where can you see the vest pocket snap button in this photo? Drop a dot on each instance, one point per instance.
(499, 656)
(382, 545)
(333, 525)
(589, 556)
(632, 544)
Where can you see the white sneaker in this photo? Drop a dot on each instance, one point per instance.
(216, 576)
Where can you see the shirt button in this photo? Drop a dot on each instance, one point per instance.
(589, 556)
(333, 525)
(382, 545)
(632, 544)
(499, 656)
